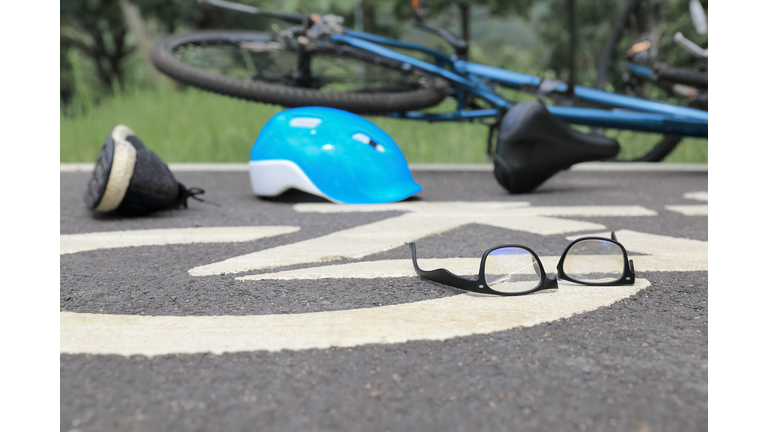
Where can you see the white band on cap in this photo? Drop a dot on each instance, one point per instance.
(123, 161)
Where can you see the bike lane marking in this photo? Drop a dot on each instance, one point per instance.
(72, 243)
(426, 320)
(692, 210)
(698, 196)
(439, 319)
(662, 253)
(689, 210)
(421, 220)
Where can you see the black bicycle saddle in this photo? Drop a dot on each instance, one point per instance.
(533, 145)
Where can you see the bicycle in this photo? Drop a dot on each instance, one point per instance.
(318, 62)
(638, 32)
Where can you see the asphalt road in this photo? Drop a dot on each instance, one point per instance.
(639, 363)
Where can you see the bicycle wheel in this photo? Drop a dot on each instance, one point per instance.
(259, 67)
(634, 22)
(641, 147)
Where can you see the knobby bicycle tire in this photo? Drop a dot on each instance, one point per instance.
(609, 49)
(164, 58)
(681, 75)
(668, 143)
(658, 152)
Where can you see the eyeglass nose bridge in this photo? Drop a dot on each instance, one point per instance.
(548, 282)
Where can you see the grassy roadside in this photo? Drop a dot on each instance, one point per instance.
(196, 126)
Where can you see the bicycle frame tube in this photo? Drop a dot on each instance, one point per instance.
(631, 120)
(628, 120)
(441, 59)
(476, 87)
(457, 115)
(639, 70)
(627, 112)
(517, 80)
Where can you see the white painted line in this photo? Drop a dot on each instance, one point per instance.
(438, 319)
(698, 196)
(224, 167)
(77, 167)
(663, 254)
(484, 167)
(456, 207)
(689, 210)
(72, 243)
(243, 167)
(587, 166)
(459, 266)
(378, 269)
(477, 209)
(640, 166)
(350, 243)
(422, 220)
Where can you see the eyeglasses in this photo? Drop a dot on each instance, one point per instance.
(511, 270)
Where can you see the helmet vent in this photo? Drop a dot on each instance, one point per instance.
(365, 139)
(305, 122)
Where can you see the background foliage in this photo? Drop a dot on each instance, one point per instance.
(103, 62)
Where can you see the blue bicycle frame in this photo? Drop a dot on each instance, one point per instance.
(621, 112)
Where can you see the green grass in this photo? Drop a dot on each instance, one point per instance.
(196, 126)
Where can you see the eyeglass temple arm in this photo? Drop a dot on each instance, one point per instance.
(442, 275)
(631, 263)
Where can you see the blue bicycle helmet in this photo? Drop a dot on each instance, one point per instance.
(330, 153)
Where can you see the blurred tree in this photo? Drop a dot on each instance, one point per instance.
(674, 16)
(497, 8)
(96, 28)
(99, 30)
(595, 20)
(371, 9)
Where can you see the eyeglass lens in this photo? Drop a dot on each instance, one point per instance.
(594, 261)
(512, 269)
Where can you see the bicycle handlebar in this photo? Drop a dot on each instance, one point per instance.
(690, 46)
(698, 16)
(459, 45)
(295, 18)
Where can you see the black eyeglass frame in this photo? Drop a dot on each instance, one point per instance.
(627, 276)
(480, 285)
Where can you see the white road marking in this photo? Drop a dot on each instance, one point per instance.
(640, 166)
(663, 254)
(477, 209)
(72, 243)
(586, 166)
(698, 196)
(377, 269)
(422, 220)
(689, 210)
(692, 210)
(438, 319)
